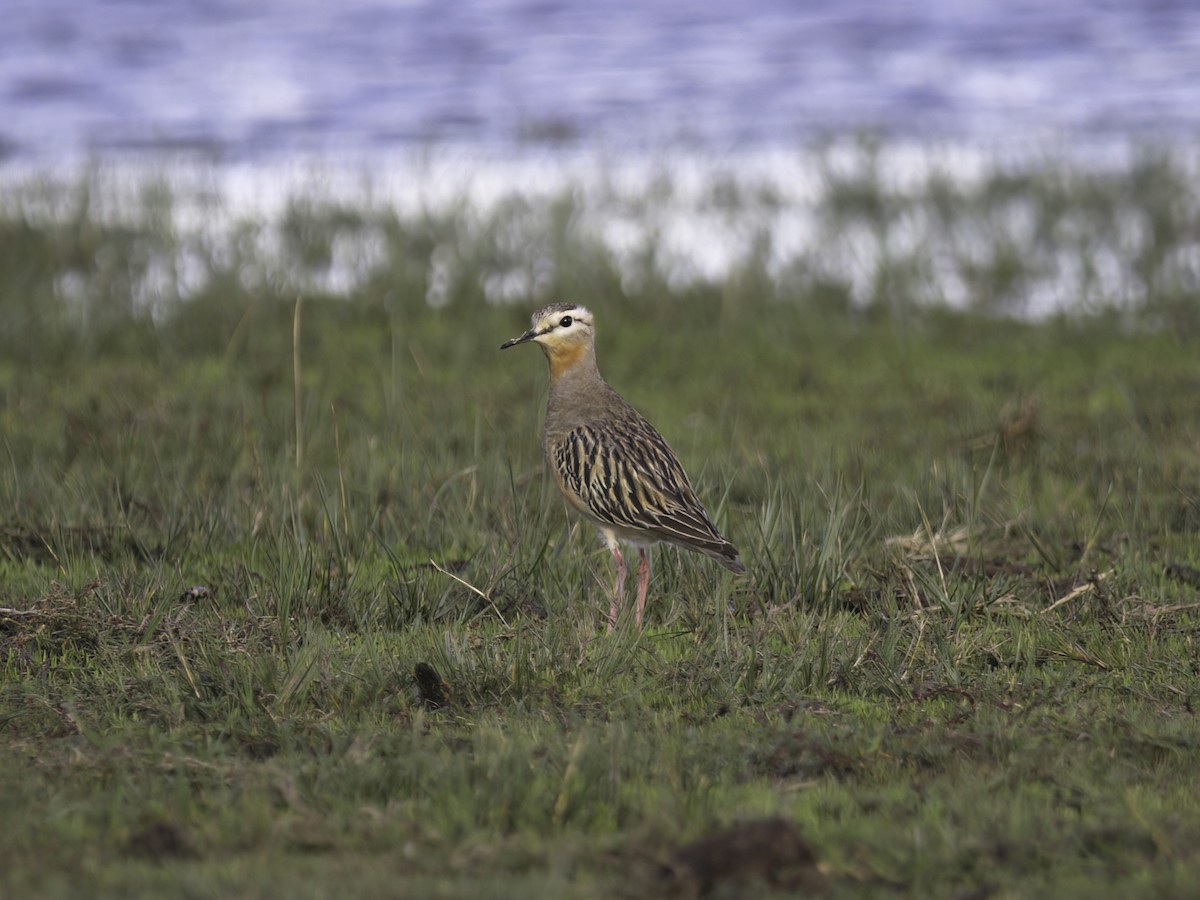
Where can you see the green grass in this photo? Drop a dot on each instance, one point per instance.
(963, 663)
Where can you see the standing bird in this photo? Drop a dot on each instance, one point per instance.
(610, 463)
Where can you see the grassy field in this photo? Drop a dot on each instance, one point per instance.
(963, 663)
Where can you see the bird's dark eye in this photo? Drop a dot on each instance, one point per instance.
(564, 322)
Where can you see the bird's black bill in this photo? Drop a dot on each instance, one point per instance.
(527, 336)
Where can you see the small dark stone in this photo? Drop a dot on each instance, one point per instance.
(430, 687)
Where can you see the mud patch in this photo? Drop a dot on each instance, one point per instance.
(769, 851)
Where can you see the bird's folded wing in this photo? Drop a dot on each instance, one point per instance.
(628, 476)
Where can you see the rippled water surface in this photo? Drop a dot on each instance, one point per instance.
(80, 77)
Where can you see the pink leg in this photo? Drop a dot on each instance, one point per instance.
(643, 583)
(618, 588)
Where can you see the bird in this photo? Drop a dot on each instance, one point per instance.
(610, 463)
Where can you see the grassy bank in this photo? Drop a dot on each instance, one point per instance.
(963, 663)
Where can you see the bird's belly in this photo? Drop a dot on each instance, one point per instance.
(634, 536)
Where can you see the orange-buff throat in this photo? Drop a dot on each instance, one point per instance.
(562, 357)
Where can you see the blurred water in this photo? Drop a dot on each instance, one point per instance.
(298, 77)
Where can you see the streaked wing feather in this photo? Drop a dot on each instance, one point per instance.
(627, 476)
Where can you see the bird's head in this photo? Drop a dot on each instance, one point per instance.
(564, 331)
